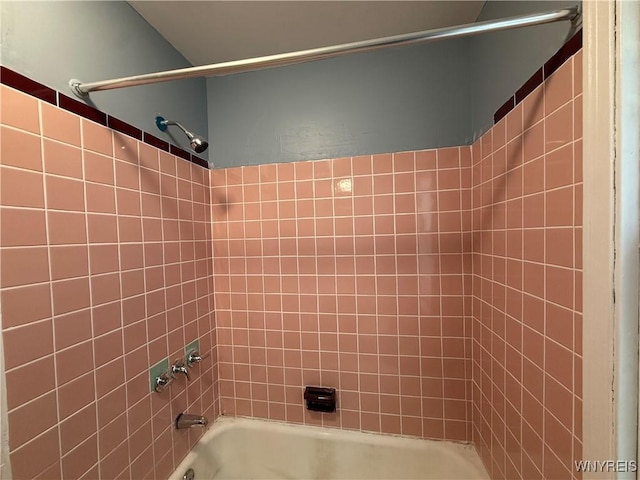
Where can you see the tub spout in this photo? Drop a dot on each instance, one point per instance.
(187, 420)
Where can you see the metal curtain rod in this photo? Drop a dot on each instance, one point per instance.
(217, 69)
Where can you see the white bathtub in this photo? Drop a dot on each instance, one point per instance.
(240, 448)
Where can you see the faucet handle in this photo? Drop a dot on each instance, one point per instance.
(179, 367)
(194, 357)
(163, 381)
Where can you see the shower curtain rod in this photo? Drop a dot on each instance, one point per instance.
(217, 69)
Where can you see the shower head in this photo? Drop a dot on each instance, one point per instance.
(198, 144)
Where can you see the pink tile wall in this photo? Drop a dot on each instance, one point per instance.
(527, 284)
(105, 254)
(439, 291)
(347, 273)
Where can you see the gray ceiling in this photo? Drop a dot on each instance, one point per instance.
(217, 31)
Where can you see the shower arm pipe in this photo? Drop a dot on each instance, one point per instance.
(170, 123)
(572, 14)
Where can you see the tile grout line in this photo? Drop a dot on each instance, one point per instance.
(50, 270)
(113, 189)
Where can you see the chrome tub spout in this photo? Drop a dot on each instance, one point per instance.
(187, 420)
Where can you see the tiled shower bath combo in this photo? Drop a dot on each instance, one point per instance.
(438, 291)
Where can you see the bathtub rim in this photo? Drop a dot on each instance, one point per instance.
(225, 423)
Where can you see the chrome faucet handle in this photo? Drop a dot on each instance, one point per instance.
(179, 367)
(194, 357)
(163, 381)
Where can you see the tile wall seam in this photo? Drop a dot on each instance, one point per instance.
(142, 233)
(263, 283)
(50, 270)
(231, 360)
(243, 171)
(464, 298)
(401, 413)
(416, 243)
(522, 223)
(440, 304)
(544, 256)
(89, 272)
(357, 307)
(335, 275)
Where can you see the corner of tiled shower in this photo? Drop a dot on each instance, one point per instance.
(438, 290)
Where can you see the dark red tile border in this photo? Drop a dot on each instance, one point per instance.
(124, 127)
(180, 152)
(24, 84)
(82, 109)
(529, 86)
(155, 142)
(199, 161)
(503, 110)
(570, 48)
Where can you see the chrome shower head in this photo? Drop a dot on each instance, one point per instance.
(198, 144)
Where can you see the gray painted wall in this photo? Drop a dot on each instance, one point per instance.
(502, 61)
(427, 96)
(391, 100)
(406, 98)
(52, 42)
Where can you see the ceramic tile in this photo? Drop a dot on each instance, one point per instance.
(73, 362)
(67, 228)
(97, 138)
(20, 149)
(20, 110)
(62, 159)
(35, 417)
(21, 188)
(25, 304)
(27, 382)
(64, 194)
(558, 88)
(24, 266)
(36, 456)
(60, 125)
(68, 262)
